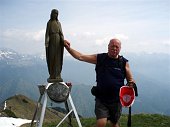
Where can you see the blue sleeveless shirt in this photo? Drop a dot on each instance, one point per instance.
(110, 75)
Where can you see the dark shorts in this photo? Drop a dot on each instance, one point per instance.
(110, 111)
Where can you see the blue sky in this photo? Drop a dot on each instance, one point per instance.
(141, 25)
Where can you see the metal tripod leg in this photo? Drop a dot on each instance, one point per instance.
(41, 90)
(36, 110)
(69, 117)
(74, 110)
(45, 104)
(43, 110)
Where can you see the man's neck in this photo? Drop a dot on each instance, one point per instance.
(114, 57)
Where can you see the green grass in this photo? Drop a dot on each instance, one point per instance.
(138, 120)
(22, 107)
(150, 120)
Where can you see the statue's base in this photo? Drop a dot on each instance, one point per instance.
(55, 87)
(49, 80)
(58, 92)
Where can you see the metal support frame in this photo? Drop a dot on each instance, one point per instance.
(41, 118)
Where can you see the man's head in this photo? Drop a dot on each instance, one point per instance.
(114, 48)
(54, 14)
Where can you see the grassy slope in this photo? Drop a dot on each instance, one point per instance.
(138, 120)
(23, 107)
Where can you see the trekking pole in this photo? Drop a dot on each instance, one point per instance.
(129, 118)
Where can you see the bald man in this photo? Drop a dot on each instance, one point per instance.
(111, 70)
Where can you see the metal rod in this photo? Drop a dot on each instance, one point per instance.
(37, 107)
(43, 110)
(64, 118)
(75, 112)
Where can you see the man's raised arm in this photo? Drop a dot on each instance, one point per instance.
(79, 56)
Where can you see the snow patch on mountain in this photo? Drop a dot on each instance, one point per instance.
(7, 54)
(11, 57)
(12, 122)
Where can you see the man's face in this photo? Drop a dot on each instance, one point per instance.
(114, 48)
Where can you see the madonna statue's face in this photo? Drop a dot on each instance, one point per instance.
(54, 14)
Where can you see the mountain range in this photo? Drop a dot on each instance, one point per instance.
(20, 74)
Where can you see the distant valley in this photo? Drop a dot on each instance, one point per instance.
(20, 74)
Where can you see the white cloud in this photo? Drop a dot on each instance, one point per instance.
(95, 43)
(22, 35)
(103, 41)
(121, 36)
(136, 24)
(39, 35)
(147, 46)
(23, 41)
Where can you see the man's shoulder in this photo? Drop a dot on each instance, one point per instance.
(122, 58)
(102, 55)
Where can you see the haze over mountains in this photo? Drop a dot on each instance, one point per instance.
(20, 74)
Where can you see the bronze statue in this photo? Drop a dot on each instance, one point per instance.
(54, 43)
